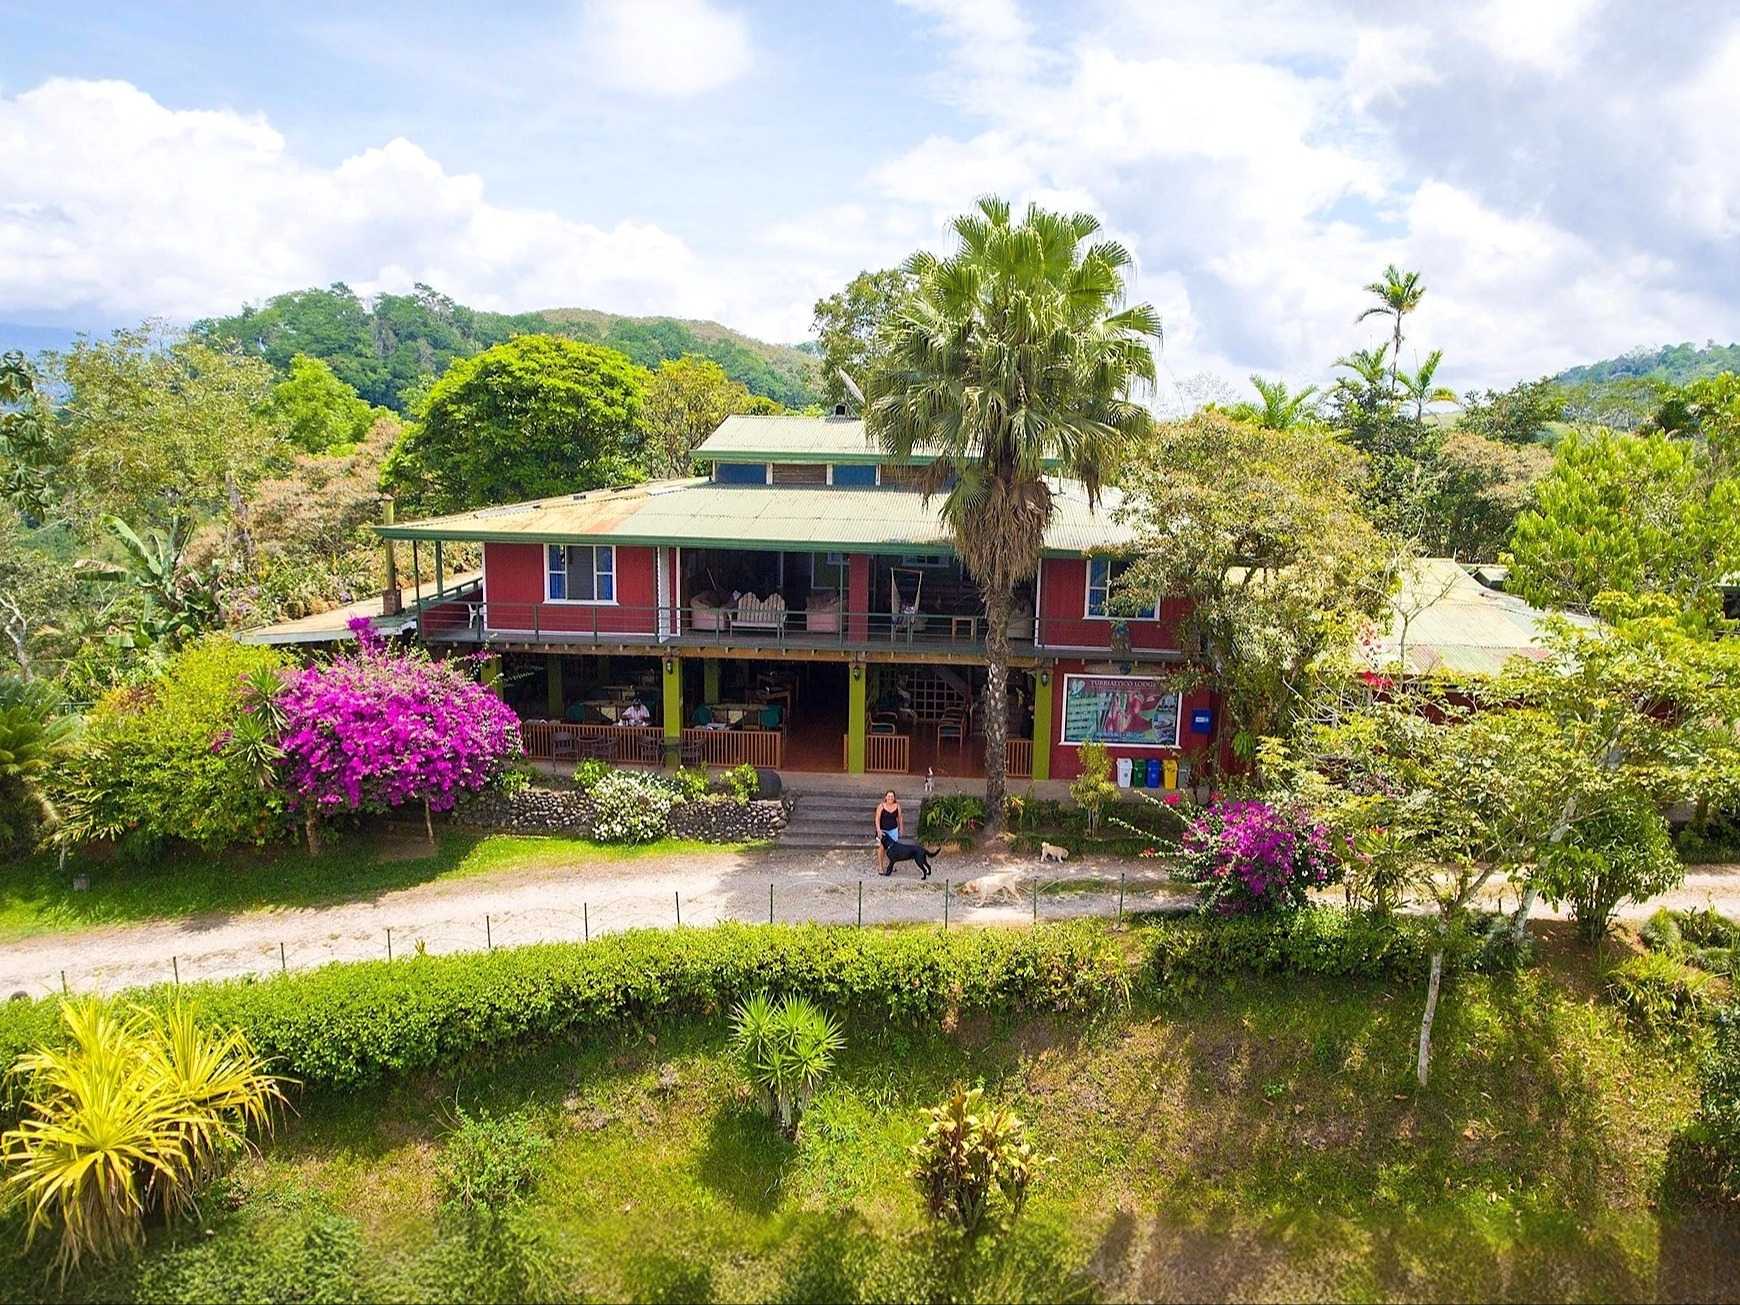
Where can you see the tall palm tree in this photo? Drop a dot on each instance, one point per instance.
(1398, 294)
(1278, 410)
(1421, 388)
(1013, 357)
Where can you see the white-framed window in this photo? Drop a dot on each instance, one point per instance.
(1103, 575)
(580, 573)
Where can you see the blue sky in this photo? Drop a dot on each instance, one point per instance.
(1560, 171)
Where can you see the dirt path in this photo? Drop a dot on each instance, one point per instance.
(567, 904)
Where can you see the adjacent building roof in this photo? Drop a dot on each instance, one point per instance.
(789, 438)
(1444, 620)
(700, 514)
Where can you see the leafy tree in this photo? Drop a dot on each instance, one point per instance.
(158, 761)
(534, 417)
(35, 735)
(1422, 386)
(1519, 415)
(1013, 355)
(847, 326)
(1278, 410)
(686, 399)
(1398, 293)
(1479, 488)
(1263, 533)
(1633, 514)
(157, 428)
(318, 412)
(29, 449)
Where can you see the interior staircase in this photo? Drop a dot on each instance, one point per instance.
(824, 818)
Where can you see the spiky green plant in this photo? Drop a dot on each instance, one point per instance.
(132, 1116)
(787, 1048)
(34, 735)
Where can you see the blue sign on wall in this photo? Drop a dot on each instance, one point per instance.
(1202, 720)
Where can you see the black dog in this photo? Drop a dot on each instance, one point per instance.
(916, 853)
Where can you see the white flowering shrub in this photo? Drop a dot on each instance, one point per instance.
(632, 807)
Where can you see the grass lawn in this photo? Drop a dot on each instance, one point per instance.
(1265, 1141)
(37, 897)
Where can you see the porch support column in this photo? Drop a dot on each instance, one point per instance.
(1042, 677)
(673, 686)
(554, 706)
(856, 718)
(710, 679)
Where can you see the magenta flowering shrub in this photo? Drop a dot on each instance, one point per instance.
(376, 729)
(1251, 856)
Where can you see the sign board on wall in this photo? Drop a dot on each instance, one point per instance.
(1135, 711)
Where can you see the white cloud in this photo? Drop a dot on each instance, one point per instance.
(665, 47)
(119, 207)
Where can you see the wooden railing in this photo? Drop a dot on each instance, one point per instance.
(884, 754)
(736, 747)
(560, 740)
(1018, 758)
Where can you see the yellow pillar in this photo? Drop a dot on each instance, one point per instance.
(554, 706)
(856, 719)
(710, 679)
(1042, 723)
(673, 685)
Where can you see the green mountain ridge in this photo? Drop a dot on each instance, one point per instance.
(392, 346)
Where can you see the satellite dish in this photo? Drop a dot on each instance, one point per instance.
(851, 386)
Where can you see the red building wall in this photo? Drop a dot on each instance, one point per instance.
(513, 593)
(1192, 747)
(1063, 622)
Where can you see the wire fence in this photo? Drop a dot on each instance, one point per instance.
(242, 949)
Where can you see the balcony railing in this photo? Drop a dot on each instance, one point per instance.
(615, 625)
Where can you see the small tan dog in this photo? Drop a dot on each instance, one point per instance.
(1052, 852)
(988, 888)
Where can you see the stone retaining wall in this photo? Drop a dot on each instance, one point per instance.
(535, 810)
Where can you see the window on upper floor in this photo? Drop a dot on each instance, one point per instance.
(580, 573)
(859, 475)
(740, 473)
(1104, 575)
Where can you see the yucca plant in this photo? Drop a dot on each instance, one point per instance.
(787, 1048)
(132, 1117)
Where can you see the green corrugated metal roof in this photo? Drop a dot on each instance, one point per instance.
(698, 513)
(1454, 623)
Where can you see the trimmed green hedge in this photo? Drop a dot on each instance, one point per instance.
(350, 1024)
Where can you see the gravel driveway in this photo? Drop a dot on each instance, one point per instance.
(600, 897)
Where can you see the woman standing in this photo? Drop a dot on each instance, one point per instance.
(890, 825)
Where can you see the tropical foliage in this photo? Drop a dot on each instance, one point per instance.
(973, 1157)
(787, 1048)
(131, 1117)
(1014, 356)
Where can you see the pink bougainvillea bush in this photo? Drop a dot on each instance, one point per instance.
(375, 729)
(1250, 856)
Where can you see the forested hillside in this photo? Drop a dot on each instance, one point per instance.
(390, 347)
